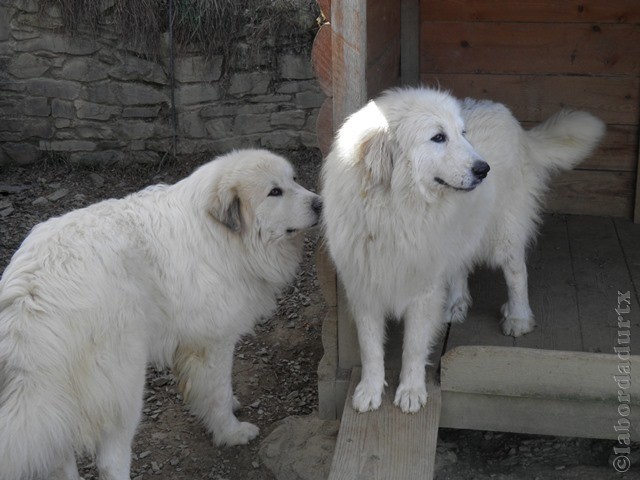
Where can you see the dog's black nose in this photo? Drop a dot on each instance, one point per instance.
(480, 169)
(316, 205)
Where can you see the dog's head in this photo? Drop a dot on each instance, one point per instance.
(255, 192)
(417, 136)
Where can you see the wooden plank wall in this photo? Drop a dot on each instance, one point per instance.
(383, 45)
(539, 56)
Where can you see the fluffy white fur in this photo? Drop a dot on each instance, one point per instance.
(172, 275)
(408, 212)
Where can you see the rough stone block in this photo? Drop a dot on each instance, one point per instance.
(219, 127)
(296, 67)
(310, 99)
(62, 109)
(198, 69)
(95, 111)
(191, 125)
(281, 139)
(137, 130)
(137, 94)
(141, 112)
(197, 93)
(135, 69)
(254, 83)
(288, 118)
(59, 43)
(21, 153)
(67, 146)
(83, 69)
(26, 65)
(103, 157)
(5, 23)
(48, 87)
(36, 107)
(247, 124)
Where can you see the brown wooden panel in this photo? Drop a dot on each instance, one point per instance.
(466, 47)
(616, 11)
(535, 97)
(383, 26)
(321, 58)
(592, 192)
(325, 8)
(324, 126)
(384, 71)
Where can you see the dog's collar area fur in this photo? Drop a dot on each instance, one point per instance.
(460, 189)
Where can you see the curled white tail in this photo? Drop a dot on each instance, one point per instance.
(565, 139)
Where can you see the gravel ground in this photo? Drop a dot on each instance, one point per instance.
(275, 369)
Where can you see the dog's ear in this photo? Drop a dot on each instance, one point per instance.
(225, 208)
(375, 153)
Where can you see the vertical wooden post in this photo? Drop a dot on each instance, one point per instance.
(410, 42)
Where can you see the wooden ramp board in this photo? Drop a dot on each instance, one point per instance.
(387, 443)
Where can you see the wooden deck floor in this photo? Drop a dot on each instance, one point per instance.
(576, 269)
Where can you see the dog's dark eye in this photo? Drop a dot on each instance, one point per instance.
(276, 192)
(439, 138)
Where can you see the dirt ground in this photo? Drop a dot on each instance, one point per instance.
(275, 369)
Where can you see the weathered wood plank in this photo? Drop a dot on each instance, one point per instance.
(526, 48)
(387, 443)
(532, 415)
(322, 58)
(384, 71)
(620, 11)
(535, 97)
(383, 26)
(410, 42)
(629, 237)
(535, 373)
(349, 52)
(592, 192)
(324, 126)
(552, 293)
(636, 208)
(482, 326)
(600, 272)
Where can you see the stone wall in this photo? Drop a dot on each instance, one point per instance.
(88, 99)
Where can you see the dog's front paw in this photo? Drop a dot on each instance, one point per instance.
(410, 398)
(457, 310)
(367, 396)
(516, 325)
(241, 434)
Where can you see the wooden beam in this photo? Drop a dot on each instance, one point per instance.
(387, 443)
(410, 42)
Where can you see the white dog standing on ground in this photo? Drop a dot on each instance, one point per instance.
(411, 207)
(172, 275)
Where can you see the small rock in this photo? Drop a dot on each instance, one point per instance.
(39, 202)
(97, 180)
(145, 454)
(58, 194)
(6, 212)
(255, 464)
(5, 204)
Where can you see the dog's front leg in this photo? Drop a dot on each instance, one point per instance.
(204, 377)
(371, 335)
(517, 315)
(422, 324)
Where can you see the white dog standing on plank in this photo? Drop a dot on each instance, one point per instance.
(172, 275)
(411, 207)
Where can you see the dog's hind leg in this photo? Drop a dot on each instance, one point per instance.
(371, 335)
(517, 315)
(68, 470)
(459, 298)
(113, 455)
(422, 325)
